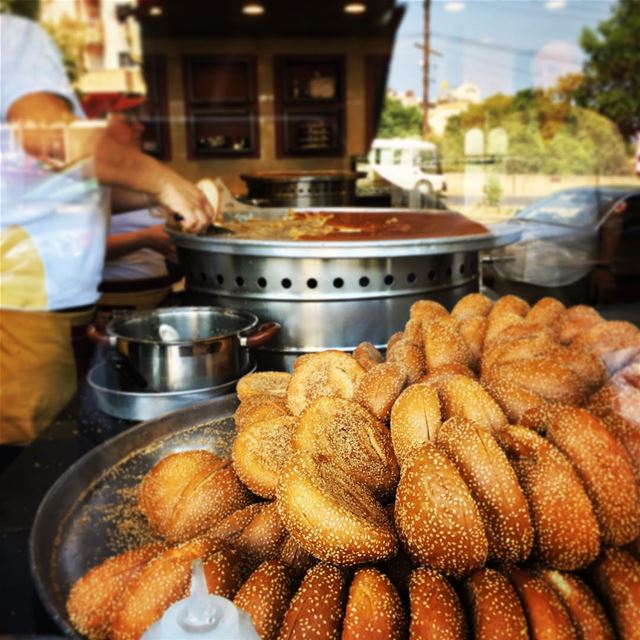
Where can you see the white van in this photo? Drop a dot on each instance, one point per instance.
(408, 164)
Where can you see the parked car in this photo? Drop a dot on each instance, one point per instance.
(581, 245)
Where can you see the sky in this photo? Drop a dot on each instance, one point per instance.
(500, 45)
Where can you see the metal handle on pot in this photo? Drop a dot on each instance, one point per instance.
(263, 334)
(99, 335)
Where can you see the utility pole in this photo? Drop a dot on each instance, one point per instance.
(426, 49)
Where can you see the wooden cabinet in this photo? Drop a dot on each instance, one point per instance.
(221, 106)
(310, 105)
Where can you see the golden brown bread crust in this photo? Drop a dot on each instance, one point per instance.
(317, 608)
(229, 529)
(473, 331)
(260, 450)
(585, 610)
(374, 610)
(498, 323)
(265, 597)
(463, 397)
(547, 616)
(493, 485)
(187, 493)
(437, 375)
(443, 344)
(367, 356)
(272, 383)
(494, 607)
(547, 312)
(510, 304)
(513, 400)
(379, 388)
(263, 538)
(609, 336)
(413, 332)
(566, 530)
(526, 347)
(620, 396)
(616, 578)
(436, 517)
(332, 517)
(162, 582)
(297, 559)
(427, 311)
(436, 612)
(471, 306)
(95, 598)
(346, 434)
(223, 573)
(604, 468)
(409, 356)
(415, 419)
(577, 319)
(258, 408)
(330, 373)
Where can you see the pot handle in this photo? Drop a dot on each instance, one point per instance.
(99, 335)
(263, 334)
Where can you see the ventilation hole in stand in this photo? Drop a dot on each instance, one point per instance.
(286, 283)
(431, 275)
(220, 278)
(388, 279)
(462, 269)
(364, 281)
(203, 276)
(411, 278)
(240, 281)
(448, 272)
(338, 283)
(312, 283)
(262, 283)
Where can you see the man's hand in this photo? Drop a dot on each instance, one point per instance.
(184, 198)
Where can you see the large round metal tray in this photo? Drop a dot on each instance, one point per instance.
(499, 235)
(89, 514)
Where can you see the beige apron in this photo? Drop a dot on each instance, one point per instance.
(43, 357)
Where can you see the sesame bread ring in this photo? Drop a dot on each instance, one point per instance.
(271, 383)
(494, 607)
(258, 408)
(566, 531)
(585, 610)
(436, 612)
(374, 609)
(379, 388)
(330, 373)
(608, 336)
(514, 401)
(367, 356)
(544, 376)
(437, 375)
(229, 529)
(498, 323)
(547, 616)
(348, 436)
(547, 312)
(96, 597)
(436, 517)
(427, 311)
(616, 578)
(187, 493)
(260, 450)
(413, 332)
(604, 468)
(443, 344)
(409, 356)
(265, 596)
(510, 304)
(472, 305)
(522, 348)
(576, 320)
(473, 331)
(393, 338)
(493, 485)
(162, 582)
(223, 573)
(463, 397)
(317, 608)
(586, 365)
(415, 419)
(332, 517)
(263, 538)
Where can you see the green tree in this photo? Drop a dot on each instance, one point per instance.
(611, 83)
(398, 121)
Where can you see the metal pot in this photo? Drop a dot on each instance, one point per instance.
(211, 347)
